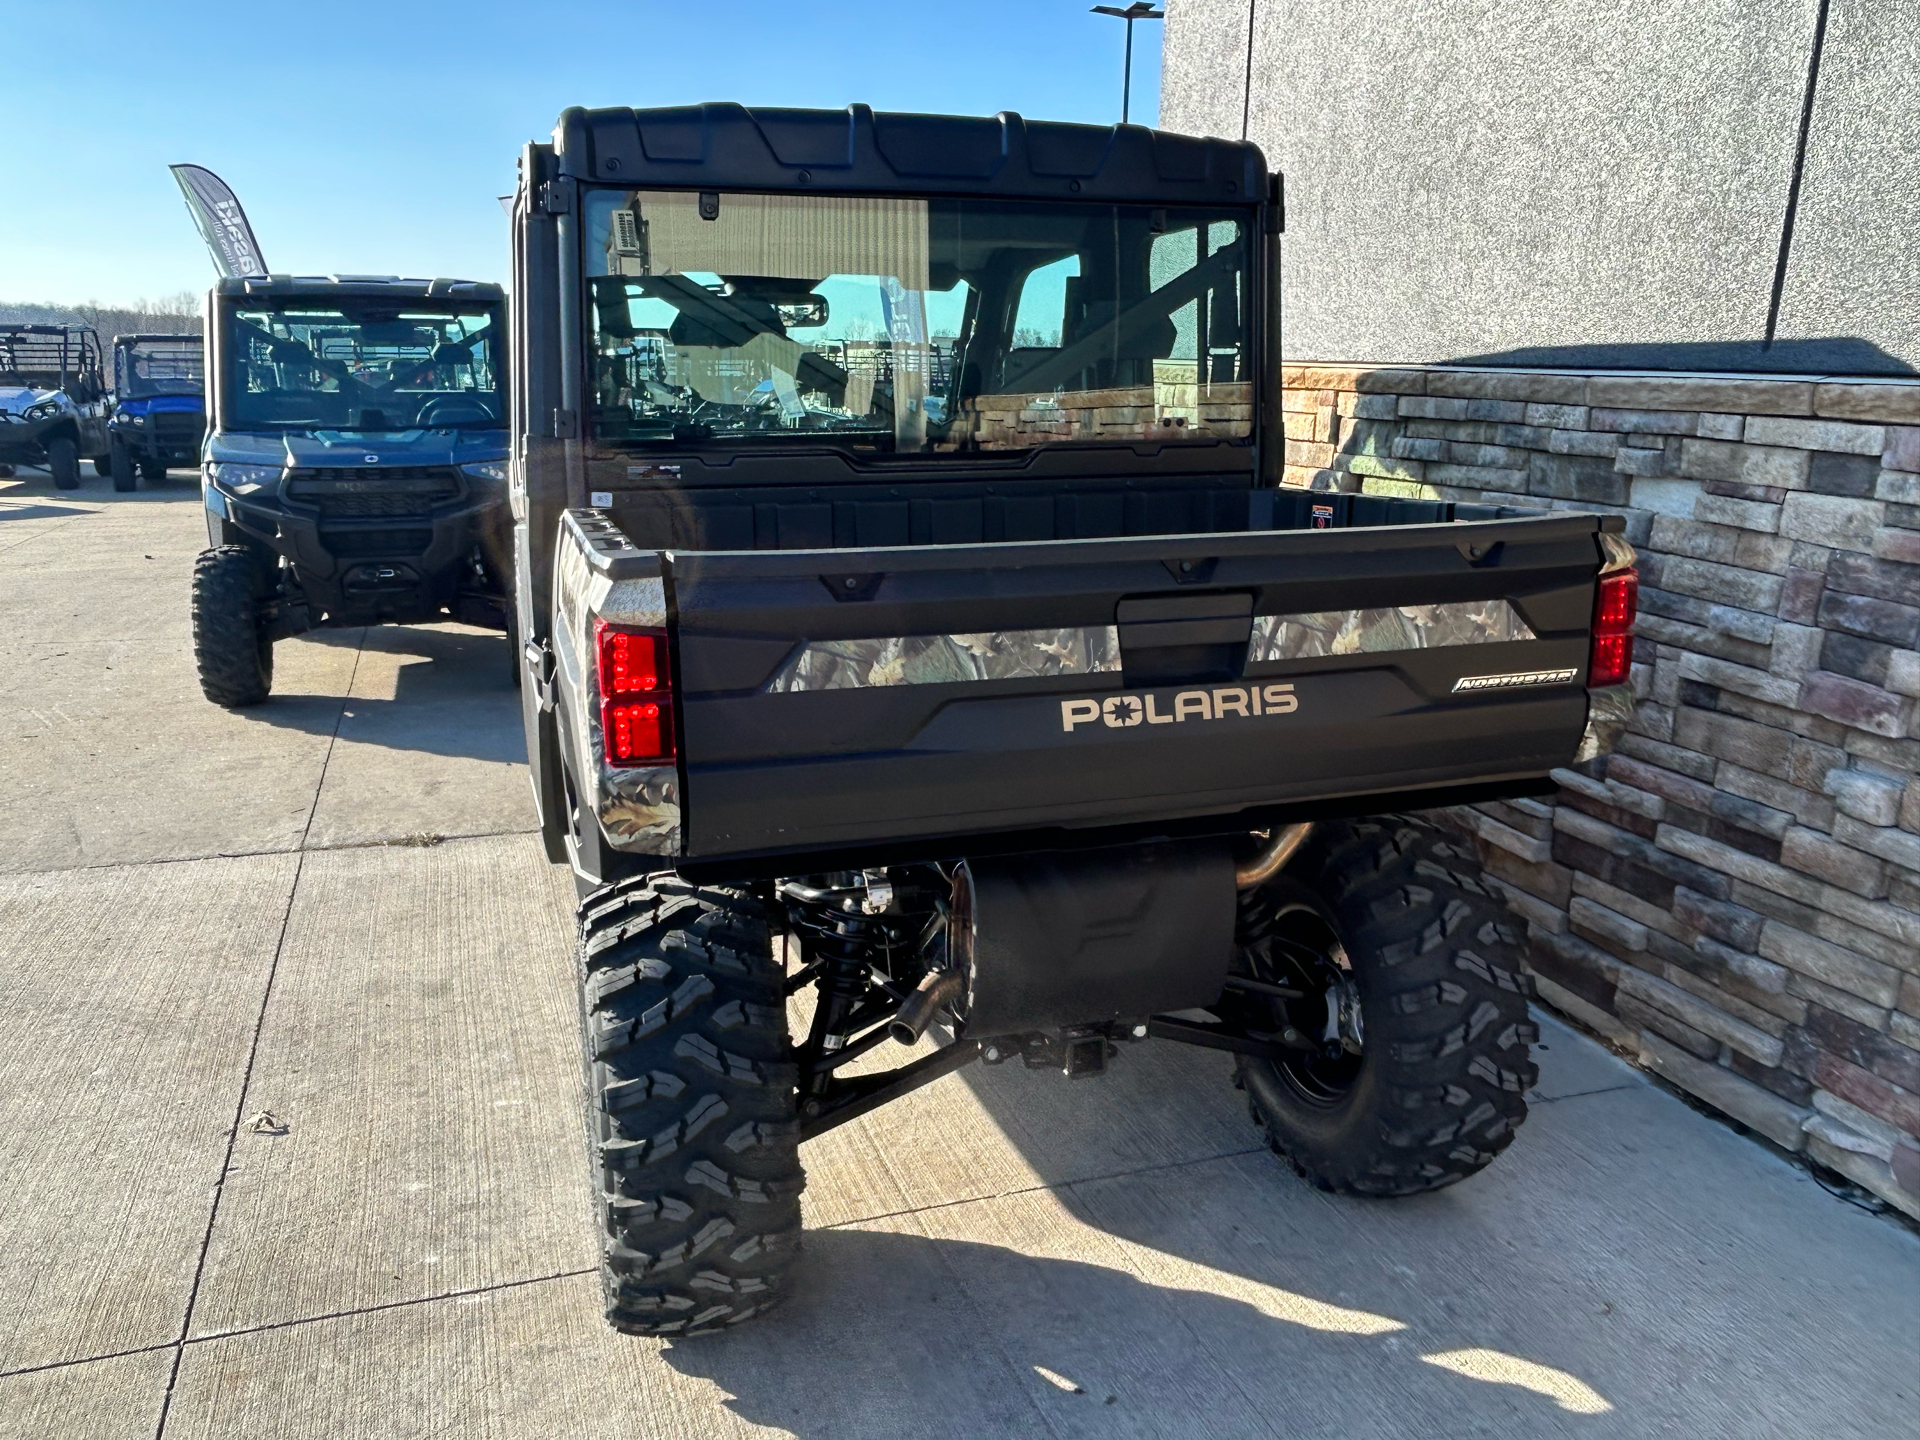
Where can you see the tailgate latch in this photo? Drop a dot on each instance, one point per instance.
(1191, 572)
(853, 587)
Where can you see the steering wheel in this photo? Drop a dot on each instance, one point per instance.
(452, 410)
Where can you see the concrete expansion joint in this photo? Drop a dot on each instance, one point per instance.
(416, 841)
(86, 1360)
(461, 1294)
(424, 840)
(319, 785)
(1582, 1094)
(226, 1162)
(242, 1330)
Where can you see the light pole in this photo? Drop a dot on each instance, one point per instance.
(1139, 10)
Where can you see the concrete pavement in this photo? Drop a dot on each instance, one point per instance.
(289, 1139)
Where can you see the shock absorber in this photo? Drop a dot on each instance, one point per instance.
(864, 934)
(839, 938)
(845, 947)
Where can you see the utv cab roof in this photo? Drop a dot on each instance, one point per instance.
(55, 350)
(390, 285)
(728, 146)
(144, 337)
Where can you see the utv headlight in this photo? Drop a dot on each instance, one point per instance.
(139, 419)
(487, 469)
(244, 479)
(44, 410)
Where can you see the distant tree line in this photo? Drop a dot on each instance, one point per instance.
(169, 315)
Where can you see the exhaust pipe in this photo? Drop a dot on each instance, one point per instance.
(1271, 861)
(936, 988)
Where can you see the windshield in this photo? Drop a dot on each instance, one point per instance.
(169, 366)
(914, 326)
(362, 363)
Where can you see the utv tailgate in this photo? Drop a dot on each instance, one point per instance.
(837, 698)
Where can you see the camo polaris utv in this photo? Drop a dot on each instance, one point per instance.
(917, 641)
(356, 467)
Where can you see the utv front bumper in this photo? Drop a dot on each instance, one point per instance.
(23, 442)
(171, 437)
(406, 545)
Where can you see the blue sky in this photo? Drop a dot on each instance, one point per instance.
(375, 137)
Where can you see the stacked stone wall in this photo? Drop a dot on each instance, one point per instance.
(1735, 893)
(1166, 409)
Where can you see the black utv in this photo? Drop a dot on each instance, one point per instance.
(355, 467)
(916, 632)
(159, 412)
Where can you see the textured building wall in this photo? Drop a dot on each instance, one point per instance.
(1480, 178)
(1855, 267)
(1736, 892)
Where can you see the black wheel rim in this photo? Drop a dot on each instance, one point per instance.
(1293, 944)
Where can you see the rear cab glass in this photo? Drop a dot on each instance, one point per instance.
(936, 327)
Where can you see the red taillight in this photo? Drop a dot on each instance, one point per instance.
(1614, 608)
(636, 695)
(638, 732)
(632, 662)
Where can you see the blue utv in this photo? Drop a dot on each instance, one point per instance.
(355, 465)
(159, 407)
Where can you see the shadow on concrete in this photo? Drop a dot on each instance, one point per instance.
(449, 693)
(1832, 355)
(903, 1329)
(167, 492)
(39, 512)
(181, 485)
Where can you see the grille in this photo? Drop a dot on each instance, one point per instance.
(175, 426)
(375, 544)
(371, 506)
(396, 490)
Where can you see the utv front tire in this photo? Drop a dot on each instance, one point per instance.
(63, 459)
(119, 464)
(1425, 1085)
(230, 644)
(691, 1107)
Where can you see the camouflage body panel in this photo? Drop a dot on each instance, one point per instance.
(1402, 627)
(947, 659)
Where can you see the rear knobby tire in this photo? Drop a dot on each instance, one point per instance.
(692, 1118)
(230, 644)
(1436, 956)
